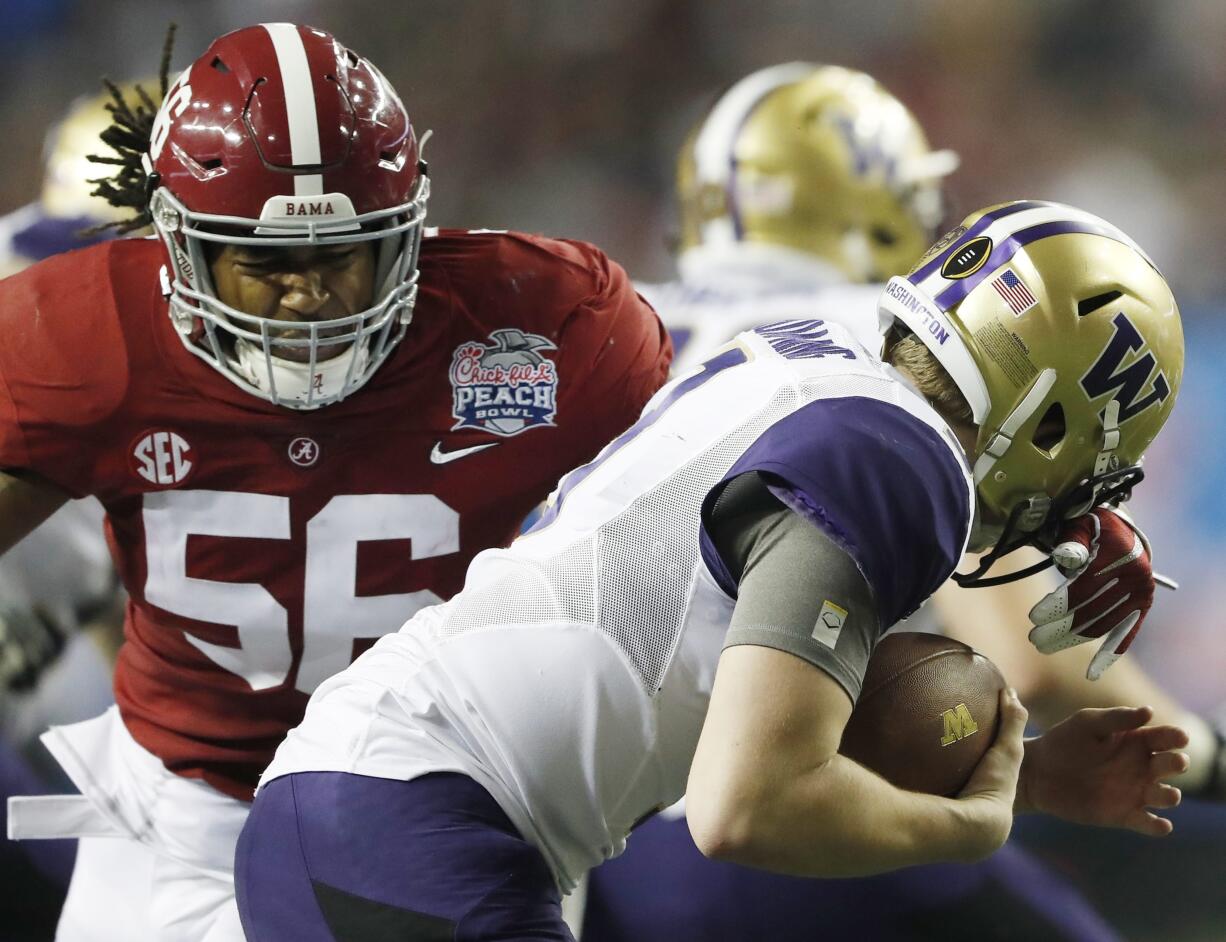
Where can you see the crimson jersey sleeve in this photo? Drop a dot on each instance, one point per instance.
(612, 352)
(616, 343)
(62, 365)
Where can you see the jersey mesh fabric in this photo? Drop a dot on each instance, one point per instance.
(557, 589)
(642, 560)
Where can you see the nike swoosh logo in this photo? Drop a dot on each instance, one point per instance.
(438, 456)
(1135, 553)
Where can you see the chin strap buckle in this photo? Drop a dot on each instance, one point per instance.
(1034, 513)
(1035, 522)
(1111, 439)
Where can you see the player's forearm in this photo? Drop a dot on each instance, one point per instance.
(836, 820)
(25, 501)
(1062, 689)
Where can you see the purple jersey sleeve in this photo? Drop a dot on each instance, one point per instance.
(879, 481)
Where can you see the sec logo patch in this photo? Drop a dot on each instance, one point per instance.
(162, 457)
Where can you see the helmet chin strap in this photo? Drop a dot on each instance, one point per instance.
(1021, 529)
(1036, 520)
(1003, 439)
(289, 381)
(1111, 437)
(1014, 536)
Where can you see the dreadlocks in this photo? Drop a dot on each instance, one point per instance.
(128, 136)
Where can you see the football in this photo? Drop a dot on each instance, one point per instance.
(927, 712)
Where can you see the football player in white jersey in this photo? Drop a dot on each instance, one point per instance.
(801, 191)
(660, 629)
(62, 577)
(60, 602)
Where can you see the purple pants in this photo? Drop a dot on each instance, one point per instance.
(333, 857)
(663, 890)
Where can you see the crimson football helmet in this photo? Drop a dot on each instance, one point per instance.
(280, 136)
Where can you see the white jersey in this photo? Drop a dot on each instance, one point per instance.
(725, 290)
(571, 675)
(63, 566)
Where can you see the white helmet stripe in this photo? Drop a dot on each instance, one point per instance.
(926, 269)
(1004, 252)
(904, 302)
(299, 105)
(715, 142)
(1001, 231)
(713, 146)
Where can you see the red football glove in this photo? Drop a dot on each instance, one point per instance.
(1107, 589)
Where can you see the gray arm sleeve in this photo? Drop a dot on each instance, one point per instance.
(798, 591)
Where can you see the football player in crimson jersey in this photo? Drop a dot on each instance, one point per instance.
(304, 414)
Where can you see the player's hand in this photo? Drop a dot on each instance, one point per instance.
(1105, 767)
(1107, 589)
(991, 792)
(29, 642)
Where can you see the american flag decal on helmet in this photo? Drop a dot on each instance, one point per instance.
(1014, 291)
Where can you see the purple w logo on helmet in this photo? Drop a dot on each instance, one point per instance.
(1106, 376)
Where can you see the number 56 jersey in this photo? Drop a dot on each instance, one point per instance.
(263, 547)
(571, 675)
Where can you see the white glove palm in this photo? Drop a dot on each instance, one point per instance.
(1107, 590)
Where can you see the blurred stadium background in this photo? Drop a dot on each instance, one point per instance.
(565, 117)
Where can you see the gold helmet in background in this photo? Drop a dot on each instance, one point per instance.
(57, 221)
(1066, 342)
(66, 187)
(819, 160)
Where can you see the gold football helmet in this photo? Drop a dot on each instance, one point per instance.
(1066, 342)
(57, 221)
(814, 159)
(66, 187)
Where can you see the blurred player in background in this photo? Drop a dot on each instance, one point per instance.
(702, 599)
(60, 603)
(801, 190)
(303, 413)
(61, 575)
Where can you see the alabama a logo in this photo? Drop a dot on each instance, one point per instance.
(505, 386)
(303, 451)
